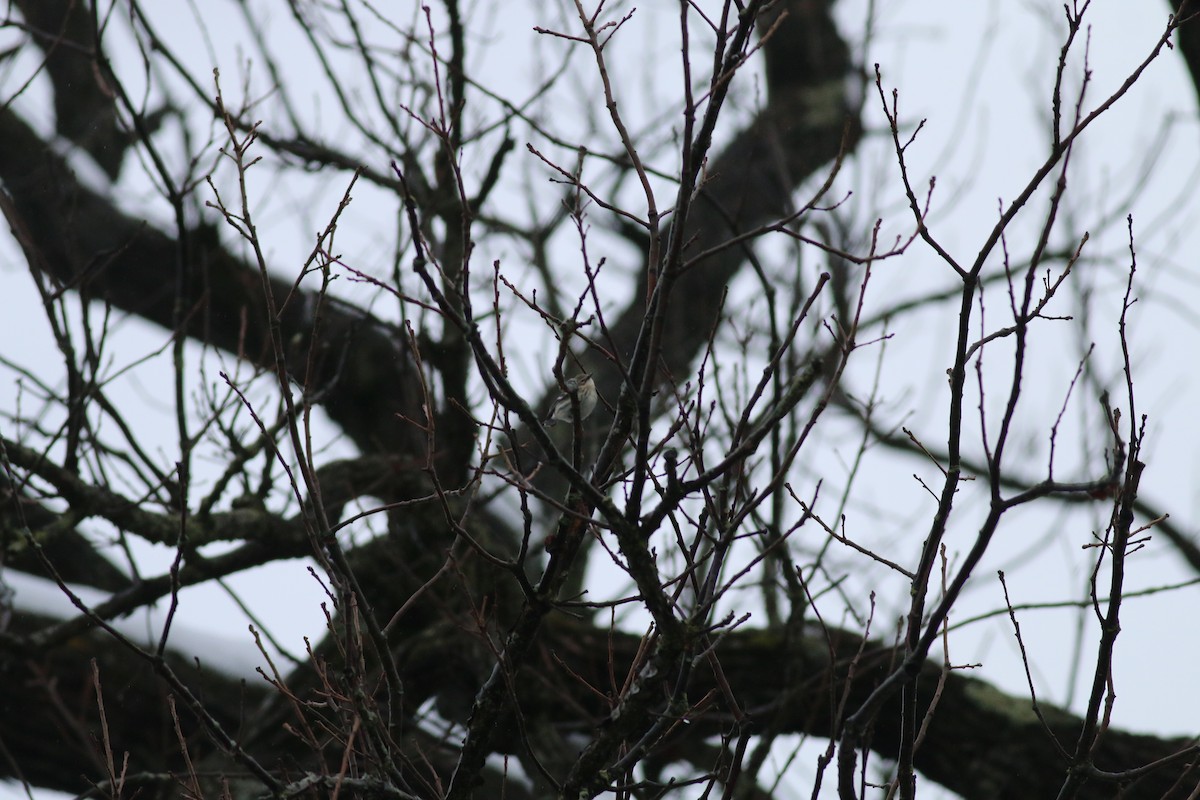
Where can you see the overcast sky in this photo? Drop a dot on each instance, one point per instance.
(980, 74)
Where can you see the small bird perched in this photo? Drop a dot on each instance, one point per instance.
(584, 389)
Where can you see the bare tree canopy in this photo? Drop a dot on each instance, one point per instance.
(614, 382)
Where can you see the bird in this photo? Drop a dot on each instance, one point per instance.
(584, 389)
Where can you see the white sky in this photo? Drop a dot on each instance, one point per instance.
(980, 74)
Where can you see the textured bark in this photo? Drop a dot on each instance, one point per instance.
(981, 743)
(1189, 38)
(84, 243)
(84, 106)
